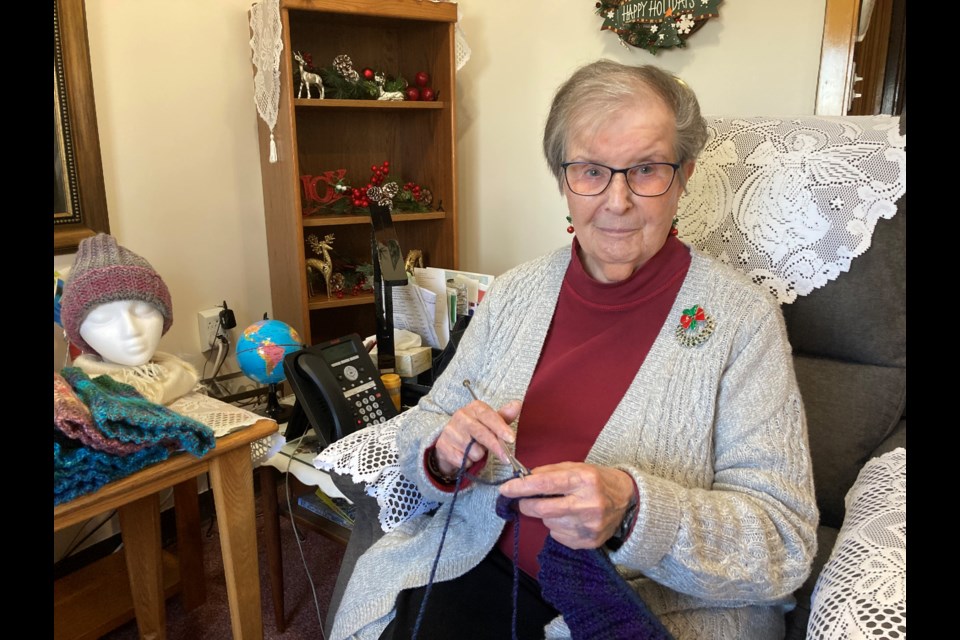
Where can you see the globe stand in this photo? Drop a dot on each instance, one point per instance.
(279, 412)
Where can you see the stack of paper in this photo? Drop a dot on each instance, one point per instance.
(428, 305)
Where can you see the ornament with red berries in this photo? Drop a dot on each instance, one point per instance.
(422, 91)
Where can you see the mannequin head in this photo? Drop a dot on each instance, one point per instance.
(123, 332)
(114, 304)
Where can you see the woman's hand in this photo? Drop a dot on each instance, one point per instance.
(481, 422)
(584, 503)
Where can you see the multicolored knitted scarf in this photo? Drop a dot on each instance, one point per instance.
(72, 418)
(121, 413)
(105, 430)
(78, 470)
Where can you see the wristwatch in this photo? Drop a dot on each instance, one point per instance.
(626, 524)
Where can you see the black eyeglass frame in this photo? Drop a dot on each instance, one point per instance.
(624, 171)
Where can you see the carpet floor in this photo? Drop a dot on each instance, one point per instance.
(212, 619)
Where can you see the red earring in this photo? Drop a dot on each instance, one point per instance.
(569, 227)
(673, 227)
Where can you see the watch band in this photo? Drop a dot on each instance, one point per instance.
(433, 466)
(616, 541)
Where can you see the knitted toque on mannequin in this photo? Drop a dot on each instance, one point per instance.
(102, 272)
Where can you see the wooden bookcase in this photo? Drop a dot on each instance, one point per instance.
(398, 37)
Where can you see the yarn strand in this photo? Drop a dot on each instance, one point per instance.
(461, 474)
(443, 536)
(615, 612)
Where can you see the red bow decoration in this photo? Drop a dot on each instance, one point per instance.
(692, 316)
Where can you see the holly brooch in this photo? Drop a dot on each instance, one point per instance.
(695, 326)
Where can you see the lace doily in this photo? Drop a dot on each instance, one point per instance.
(267, 45)
(226, 418)
(861, 592)
(791, 201)
(223, 418)
(461, 50)
(370, 456)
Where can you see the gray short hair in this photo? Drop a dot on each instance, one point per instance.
(601, 88)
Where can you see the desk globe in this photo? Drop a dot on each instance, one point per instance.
(260, 352)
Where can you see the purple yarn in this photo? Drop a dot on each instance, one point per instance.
(446, 526)
(596, 602)
(504, 510)
(507, 509)
(582, 584)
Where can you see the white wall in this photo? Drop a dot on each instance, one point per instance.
(173, 83)
(757, 57)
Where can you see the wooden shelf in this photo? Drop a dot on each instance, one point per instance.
(316, 103)
(313, 136)
(317, 302)
(321, 220)
(96, 599)
(307, 518)
(318, 524)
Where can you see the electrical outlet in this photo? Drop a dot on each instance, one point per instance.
(208, 321)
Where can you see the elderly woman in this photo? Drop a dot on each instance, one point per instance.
(649, 388)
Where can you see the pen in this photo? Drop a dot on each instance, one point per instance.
(518, 467)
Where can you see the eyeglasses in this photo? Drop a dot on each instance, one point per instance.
(647, 180)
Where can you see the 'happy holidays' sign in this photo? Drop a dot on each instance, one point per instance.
(655, 24)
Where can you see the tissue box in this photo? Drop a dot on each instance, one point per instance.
(410, 362)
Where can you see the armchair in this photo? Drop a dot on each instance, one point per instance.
(813, 209)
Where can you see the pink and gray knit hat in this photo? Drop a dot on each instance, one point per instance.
(102, 272)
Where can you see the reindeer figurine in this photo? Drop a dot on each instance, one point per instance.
(392, 96)
(307, 79)
(414, 260)
(324, 265)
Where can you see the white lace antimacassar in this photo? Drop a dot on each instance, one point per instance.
(791, 201)
(861, 591)
(370, 456)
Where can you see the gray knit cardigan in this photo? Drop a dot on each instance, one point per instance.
(714, 436)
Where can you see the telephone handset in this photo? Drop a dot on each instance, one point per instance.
(338, 389)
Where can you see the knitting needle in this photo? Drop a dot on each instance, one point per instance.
(518, 467)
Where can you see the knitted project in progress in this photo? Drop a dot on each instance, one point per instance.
(122, 414)
(584, 586)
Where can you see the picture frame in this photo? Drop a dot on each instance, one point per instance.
(80, 202)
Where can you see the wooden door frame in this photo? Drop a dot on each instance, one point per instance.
(835, 81)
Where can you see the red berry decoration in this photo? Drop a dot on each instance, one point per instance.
(368, 74)
(427, 94)
(422, 78)
(413, 94)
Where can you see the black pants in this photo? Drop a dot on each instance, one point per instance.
(476, 606)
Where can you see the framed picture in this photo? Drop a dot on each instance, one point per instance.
(79, 198)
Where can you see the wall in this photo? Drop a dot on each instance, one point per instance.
(174, 94)
(178, 132)
(757, 57)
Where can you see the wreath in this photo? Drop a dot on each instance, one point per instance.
(655, 24)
